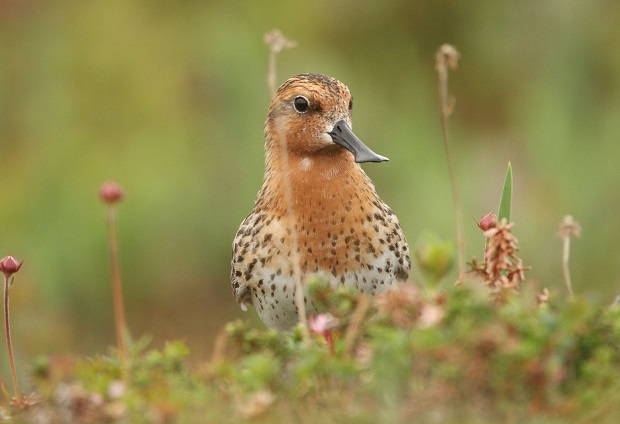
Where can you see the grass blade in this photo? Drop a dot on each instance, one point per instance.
(505, 204)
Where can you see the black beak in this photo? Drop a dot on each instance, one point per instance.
(343, 136)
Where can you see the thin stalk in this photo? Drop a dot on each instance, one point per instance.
(568, 228)
(299, 289)
(565, 270)
(7, 328)
(276, 42)
(447, 58)
(117, 291)
(355, 324)
(271, 76)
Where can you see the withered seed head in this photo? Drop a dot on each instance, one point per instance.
(569, 228)
(502, 270)
(277, 41)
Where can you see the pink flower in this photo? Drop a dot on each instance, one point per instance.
(488, 221)
(322, 324)
(110, 192)
(9, 266)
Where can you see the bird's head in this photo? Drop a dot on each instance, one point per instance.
(311, 114)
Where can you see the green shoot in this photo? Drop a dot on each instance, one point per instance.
(505, 204)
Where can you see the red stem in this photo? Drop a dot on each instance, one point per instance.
(117, 291)
(7, 327)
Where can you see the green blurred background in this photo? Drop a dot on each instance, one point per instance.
(169, 98)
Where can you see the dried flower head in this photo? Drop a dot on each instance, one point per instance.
(277, 41)
(501, 252)
(569, 228)
(110, 192)
(447, 56)
(502, 270)
(9, 266)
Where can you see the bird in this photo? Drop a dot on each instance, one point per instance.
(316, 206)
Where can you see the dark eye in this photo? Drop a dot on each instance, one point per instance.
(301, 104)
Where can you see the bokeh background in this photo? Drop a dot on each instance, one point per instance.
(169, 98)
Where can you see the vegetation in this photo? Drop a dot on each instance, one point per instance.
(165, 100)
(450, 356)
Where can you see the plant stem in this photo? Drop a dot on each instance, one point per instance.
(271, 78)
(447, 57)
(353, 329)
(276, 44)
(566, 272)
(117, 291)
(290, 212)
(7, 327)
(568, 228)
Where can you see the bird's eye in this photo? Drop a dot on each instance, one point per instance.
(301, 104)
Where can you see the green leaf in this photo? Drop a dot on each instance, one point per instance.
(505, 204)
(8, 395)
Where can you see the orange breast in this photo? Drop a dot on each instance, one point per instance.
(333, 207)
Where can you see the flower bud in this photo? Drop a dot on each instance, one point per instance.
(110, 192)
(322, 323)
(488, 221)
(9, 266)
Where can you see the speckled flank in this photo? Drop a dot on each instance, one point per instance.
(346, 233)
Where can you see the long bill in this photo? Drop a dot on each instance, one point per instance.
(343, 135)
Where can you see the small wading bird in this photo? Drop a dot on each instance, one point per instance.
(345, 233)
